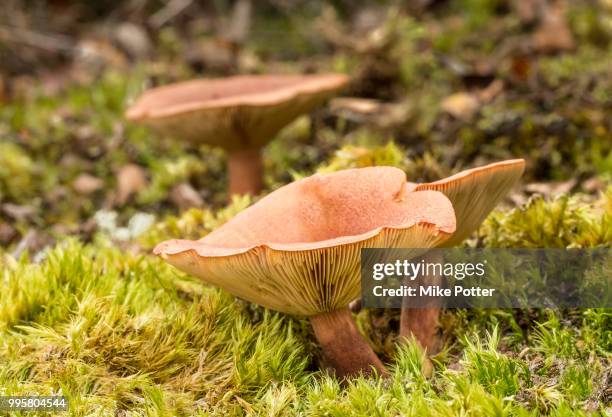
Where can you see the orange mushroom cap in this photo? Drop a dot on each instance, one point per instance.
(298, 249)
(475, 192)
(236, 112)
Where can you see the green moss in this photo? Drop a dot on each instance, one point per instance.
(566, 221)
(360, 157)
(498, 373)
(166, 172)
(17, 173)
(193, 224)
(112, 330)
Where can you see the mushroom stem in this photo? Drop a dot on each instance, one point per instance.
(422, 323)
(343, 346)
(245, 171)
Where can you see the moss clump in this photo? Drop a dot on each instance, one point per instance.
(566, 221)
(359, 157)
(194, 223)
(113, 332)
(17, 173)
(168, 172)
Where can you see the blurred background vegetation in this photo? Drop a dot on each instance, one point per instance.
(437, 86)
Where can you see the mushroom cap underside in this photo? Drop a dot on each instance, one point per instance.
(234, 112)
(475, 192)
(298, 249)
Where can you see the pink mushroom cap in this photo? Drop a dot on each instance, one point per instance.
(234, 113)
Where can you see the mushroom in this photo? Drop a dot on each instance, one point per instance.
(473, 193)
(297, 250)
(240, 114)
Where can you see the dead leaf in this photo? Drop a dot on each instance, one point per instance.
(133, 39)
(593, 185)
(7, 233)
(354, 105)
(184, 196)
(491, 91)
(86, 184)
(95, 54)
(527, 10)
(462, 105)
(517, 198)
(213, 55)
(368, 18)
(18, 212)
(369, 111)
(3, 90)
(131, 179)
(553, 34)
(550, 189)
(479, 73)
(240, 22)
(606, 4)
(375, 38)
(171, 10)
(32, 242)
(521, 68)
(248, 62)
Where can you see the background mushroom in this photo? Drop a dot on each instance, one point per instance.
(473, 193)
(298, 250)
(240, 114)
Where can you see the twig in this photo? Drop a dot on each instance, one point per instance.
(53, 43)
(240, 22)
(24, 243)
(168, 12)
